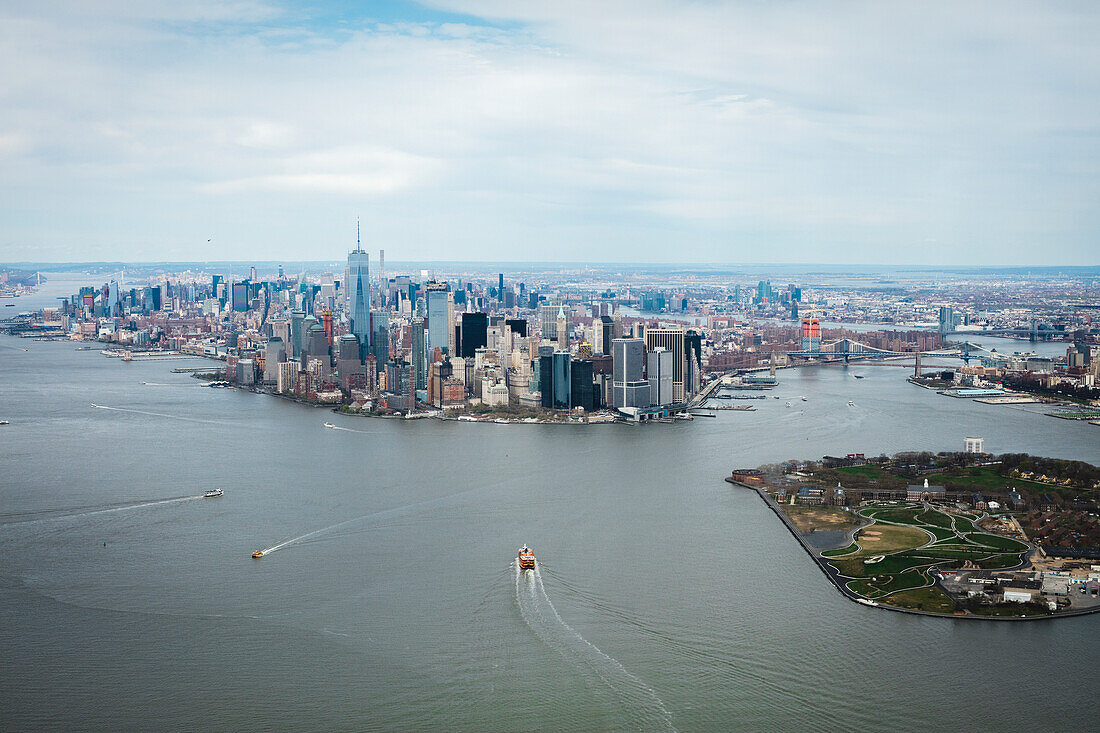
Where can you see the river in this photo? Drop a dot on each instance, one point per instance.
(665, 598)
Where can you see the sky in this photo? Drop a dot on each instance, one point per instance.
(772, 131)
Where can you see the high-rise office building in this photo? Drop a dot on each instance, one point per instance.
(562, 378)
(297, 333)
(440, 330)
(659, 371)
(240, 297)
(357, 287)
(474, 334)
(380, 336)
(562, 330)
(274, 355)
(418, 352)
(629, 388)
(671, 339)
(548, 319)
(348, 364)
(604, 334)
(518, 326)
(581, 393)
(693, 363)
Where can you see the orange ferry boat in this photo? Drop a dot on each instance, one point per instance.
(526, 558)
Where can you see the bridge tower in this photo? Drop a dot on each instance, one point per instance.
(844, 348)
(916, 365)
(966, 353)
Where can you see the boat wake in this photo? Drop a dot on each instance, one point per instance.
(47, 515)
(639, 700)
(330, 426)
(373, 516)
(154, 414)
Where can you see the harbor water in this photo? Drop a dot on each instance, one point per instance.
(388, 600)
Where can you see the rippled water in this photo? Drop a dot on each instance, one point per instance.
(665, 598)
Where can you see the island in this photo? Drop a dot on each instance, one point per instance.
(963, 535)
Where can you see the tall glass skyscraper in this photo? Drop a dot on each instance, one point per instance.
(358, 295)
(419, 353)
(438, 328)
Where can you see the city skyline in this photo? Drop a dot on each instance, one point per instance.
(458, 130)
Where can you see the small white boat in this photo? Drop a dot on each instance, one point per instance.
(4, 422)
(329, 425)
(804, 398)
(851, 404)
(212, 493)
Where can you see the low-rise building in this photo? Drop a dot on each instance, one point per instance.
(925, 492)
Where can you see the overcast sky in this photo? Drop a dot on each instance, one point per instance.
(765, 131)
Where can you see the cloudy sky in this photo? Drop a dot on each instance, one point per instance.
(644, 131)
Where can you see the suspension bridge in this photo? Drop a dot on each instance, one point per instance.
(846, 351)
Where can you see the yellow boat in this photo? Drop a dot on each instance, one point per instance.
(258, 553)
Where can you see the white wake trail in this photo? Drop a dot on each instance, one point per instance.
(638, 699)
(155, 414)
(353, 430)
(385, 513)
(110, 510)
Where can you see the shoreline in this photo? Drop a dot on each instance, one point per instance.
(855, 598)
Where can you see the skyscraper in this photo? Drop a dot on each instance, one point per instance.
(358, 293)
(947, 320)
(548, 319)
(474, 333)
(659, 369)
(811, 334)
(518, 326)
(673, 340)
(418, 353)
(563, 381)
(439, 329)
(580, 385)
(274, 354)
(562, 329)
(380, 336)
(628, 388)
(297, 333)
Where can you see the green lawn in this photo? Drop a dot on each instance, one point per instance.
(984, 478)
(963, 525)
(930, 599)
(997, 542)
(936, 518)
(886, 566)
(869, 471)
(941, 533)
(902, 515)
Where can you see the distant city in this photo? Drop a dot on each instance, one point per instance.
(579, 343)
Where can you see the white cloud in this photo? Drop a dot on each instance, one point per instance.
(876, 124)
